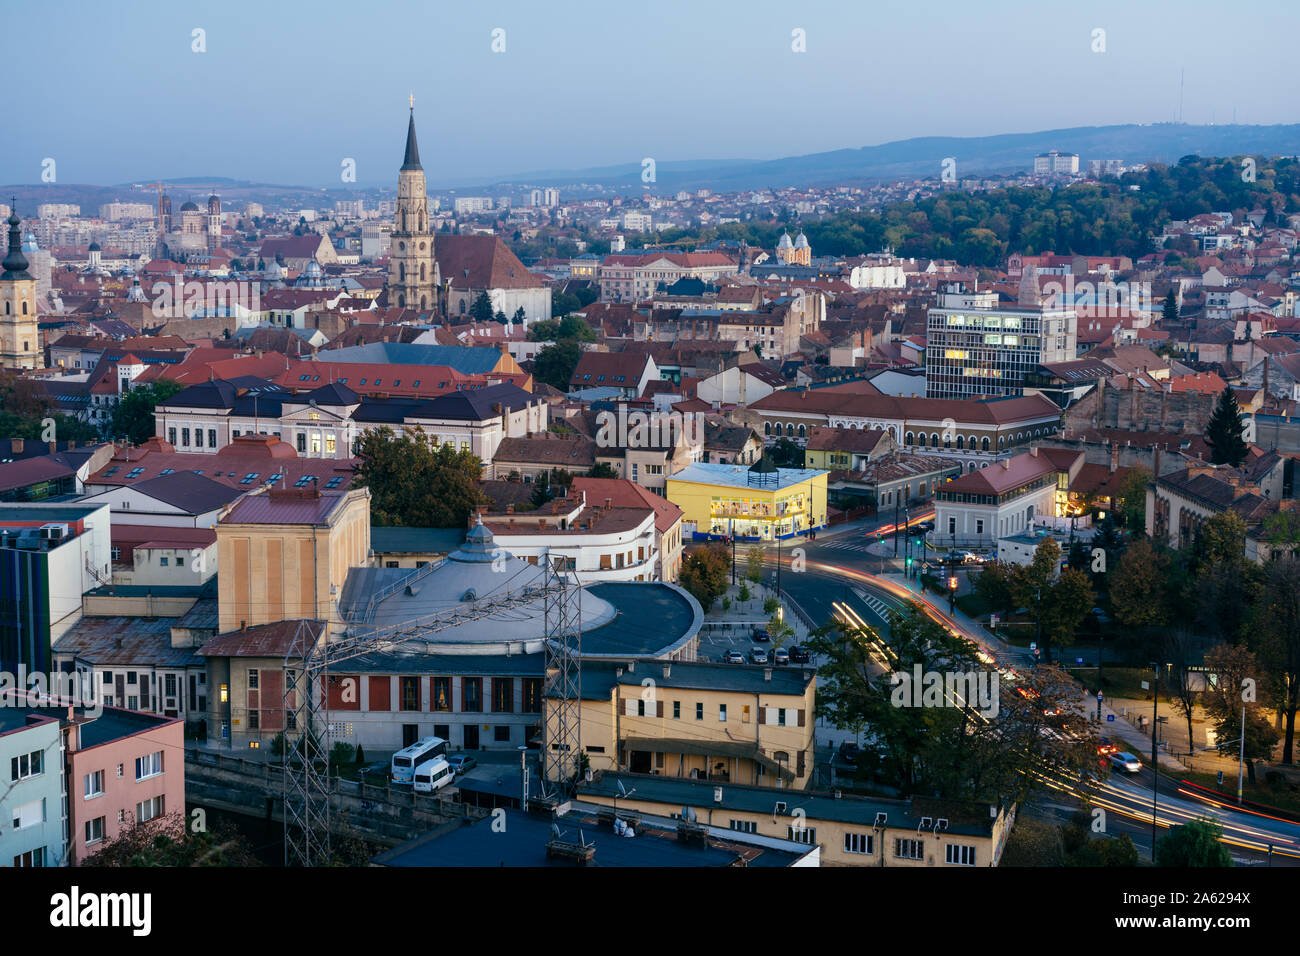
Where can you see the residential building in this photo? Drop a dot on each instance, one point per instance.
(32, 788)
(622, 493)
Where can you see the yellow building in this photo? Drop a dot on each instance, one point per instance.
(850, 831)
(697, 720)
(20, 347)
(285, 553)
(757, 501)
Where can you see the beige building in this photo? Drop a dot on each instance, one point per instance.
(850, 831)
(718, 722)
(285, 553)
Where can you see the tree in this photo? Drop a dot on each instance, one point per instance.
(520, 316)
(998, 584)
(414, 485)
(1184, 651)
(1275, 637)
(1235, 690)
(1222, 540)
(499, 317)
(754, 564)
(133, 418)
(1224, 430)
(1137, 586)
(170, 840)
(554, 364)
(1131, 499)
(705, 572)
(1193, 844)
(1070, 599)
(481, 310)
(1170, 312)
(602, 469)
(1281, 530)
(786, 454)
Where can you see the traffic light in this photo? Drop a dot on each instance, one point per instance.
(952, 583)
(909, 562)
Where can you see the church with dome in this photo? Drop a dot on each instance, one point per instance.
(796, 252)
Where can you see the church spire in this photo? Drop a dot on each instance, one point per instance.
(412, 160)
(15, 263)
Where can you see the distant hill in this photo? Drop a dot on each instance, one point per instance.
(922, 157)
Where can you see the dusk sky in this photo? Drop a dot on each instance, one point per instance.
(285, 91)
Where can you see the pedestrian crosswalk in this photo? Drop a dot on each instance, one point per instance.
(878, 607)
(844, 544)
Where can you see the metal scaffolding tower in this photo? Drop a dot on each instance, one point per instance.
(306, 706)
(561, 738)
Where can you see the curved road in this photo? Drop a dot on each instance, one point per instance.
(840, 575)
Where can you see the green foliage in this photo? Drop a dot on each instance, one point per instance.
(1223, 703)
(414, 485)
(1137, 586)
(556, 330)
(555, 363)
(342, 753)
(602, 469)
(170, 840)
(770, 605)
(754, 564)
(1132, 500)
(133, 418)
(1170, 311)
(1224, 430)
(1193, 844)
(997, 584)
(786, 454)
(745, 592)
(705, 573)
(481, 310)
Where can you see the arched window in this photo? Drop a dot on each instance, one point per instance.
(24, 307)
(934, 439)
(947, 440)
(961, 443)
(424, 301)
(421, 271)
(401, 272)
(401, 301)
(985, 443)
(801, 430)
(789, 429)
(767, 428)
(910, 438)
(462, 306)
(920, 440)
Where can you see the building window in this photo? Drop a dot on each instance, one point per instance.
(699, 711)
(150, 765)
(744, 826)
(29, 814)
(26, 765)
(149, 809)
(960, 854)
(441, 694)
(859, 843)
(185, 437)
(472, 694)
(722, 713)
(532, 687)
(805, 835)
(171, 437)
(302, 444)
(94, 784)
(501, 733)
(94, 830)
(31, 858)
(503, 695)
(212, 438)
(410, 693)
(907, 849)
(677, 710)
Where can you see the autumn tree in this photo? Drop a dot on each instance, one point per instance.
(1235, 691)
(173, 840)
(705, 573)
(1131, 499)
(1137, 586)
(1275, 638)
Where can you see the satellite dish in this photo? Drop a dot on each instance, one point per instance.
(688, 814)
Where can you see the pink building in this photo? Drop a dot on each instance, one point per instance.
(122, 766)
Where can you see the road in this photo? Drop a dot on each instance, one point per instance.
(840, 578)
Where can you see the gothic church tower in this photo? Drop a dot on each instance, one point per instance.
(412, 272)
(19, 342)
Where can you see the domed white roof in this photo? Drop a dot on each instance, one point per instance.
(785, 241)
(801, 241)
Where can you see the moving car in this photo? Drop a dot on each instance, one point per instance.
(780, 656)
(758, 655)
(1105, 748)
(734, 657)
(799, 654)
(1125, 761)
(461, 762)
(760, 634)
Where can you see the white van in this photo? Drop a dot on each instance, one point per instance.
(433, 776)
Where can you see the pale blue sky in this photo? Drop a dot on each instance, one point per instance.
(286, 90)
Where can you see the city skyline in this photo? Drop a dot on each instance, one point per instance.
(213, 98)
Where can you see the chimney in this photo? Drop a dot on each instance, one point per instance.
(510, 509)
(1006, 464)
(541, 524)
(1034, 451)
(609, 503)
(1114, 456)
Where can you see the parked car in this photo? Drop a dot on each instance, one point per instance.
(922, 529)
(461, 762)
(758, 655)
(799, 654)
(963, 557)
(760, 634)
(1125, 761)
(734, 657)
(849, 752)
(780, 656)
